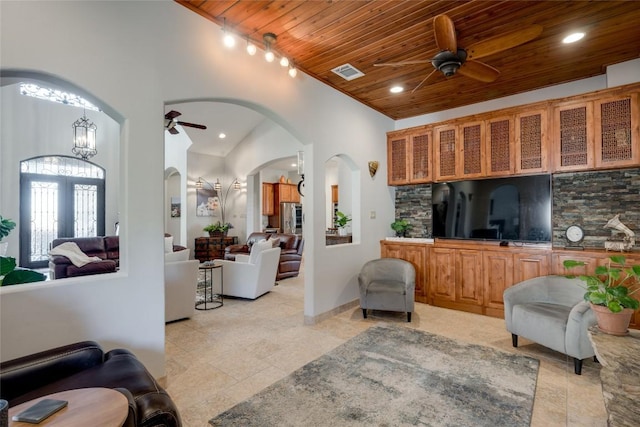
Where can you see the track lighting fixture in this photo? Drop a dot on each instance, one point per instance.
(229, 40)
(269, 39)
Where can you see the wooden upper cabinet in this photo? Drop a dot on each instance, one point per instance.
(573, 137)
(616, 132)
(409, 157)
(531, 144)
(446, 152)
(286, 193)
(397, 159)
(334, 193)
(471, 136)
(420, 157)
(499, 145)
(268, 199)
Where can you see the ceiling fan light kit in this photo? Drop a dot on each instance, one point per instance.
(453, 59)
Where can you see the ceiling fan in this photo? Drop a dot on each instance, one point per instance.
(170, 122)
(453, 59)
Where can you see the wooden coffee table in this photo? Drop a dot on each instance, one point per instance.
(96, 407)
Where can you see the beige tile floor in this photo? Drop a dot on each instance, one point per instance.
(223, 356)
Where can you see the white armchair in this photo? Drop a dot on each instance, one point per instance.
(180, 284)
(253, 275)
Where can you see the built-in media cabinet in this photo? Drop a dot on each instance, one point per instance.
(472, 276)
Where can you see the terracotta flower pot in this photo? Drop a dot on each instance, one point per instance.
(610, 322)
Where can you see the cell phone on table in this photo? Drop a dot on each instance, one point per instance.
(40, 411)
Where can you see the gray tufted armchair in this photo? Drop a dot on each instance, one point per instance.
(551, 311)
(387, 284)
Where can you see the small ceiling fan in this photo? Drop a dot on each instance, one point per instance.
(453, 59)
(170, 122)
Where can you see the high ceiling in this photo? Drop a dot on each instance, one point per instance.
(321, 35)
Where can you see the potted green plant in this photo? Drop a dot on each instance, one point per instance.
(218, 229)
(341, 222)
(401, 226)
(6, 225)
(610, 290)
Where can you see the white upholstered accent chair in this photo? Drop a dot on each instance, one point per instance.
(551, 311)
(387, 284)
(251, 276)
(180, 284)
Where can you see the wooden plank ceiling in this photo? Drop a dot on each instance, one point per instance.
(321, 35)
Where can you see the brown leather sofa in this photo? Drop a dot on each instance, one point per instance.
(105, 247)
(291, 246)
(83, 365)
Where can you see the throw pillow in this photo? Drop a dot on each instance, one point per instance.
(257, 248)
(182, 255)
(168, 244)
(275, 242)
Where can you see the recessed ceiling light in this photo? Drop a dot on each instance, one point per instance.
(396, 89)
(222, 135)
(294, 165)
(573, 37)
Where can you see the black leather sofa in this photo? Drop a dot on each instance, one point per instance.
(83, 365)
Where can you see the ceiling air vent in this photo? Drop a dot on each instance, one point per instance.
(348, 72)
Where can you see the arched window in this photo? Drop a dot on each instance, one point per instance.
(60, 196)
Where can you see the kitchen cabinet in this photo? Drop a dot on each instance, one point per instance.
(268, 198)
(286, 193)
(334, 193)
(416, 254)
(409, 157)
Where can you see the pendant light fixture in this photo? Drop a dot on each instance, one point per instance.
(84, 138)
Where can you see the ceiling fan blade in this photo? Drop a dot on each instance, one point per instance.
(433, 73)
(173, 131)
(445, 33)
(172, 115)
(191, 125)
(397, 64)
(479, 71)
(500, 43)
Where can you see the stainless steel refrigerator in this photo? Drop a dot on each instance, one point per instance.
(291, 218)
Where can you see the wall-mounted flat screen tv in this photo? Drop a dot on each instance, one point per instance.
(505, 209)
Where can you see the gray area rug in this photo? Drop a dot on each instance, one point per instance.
(391, 375)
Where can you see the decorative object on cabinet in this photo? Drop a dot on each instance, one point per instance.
(452, 59)
(217, 229)
(548, 310)
(401, 226)
(574, 235)
(614, 243)
(387, 284)
(611, 287)
(373, 167)
(208, 200)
